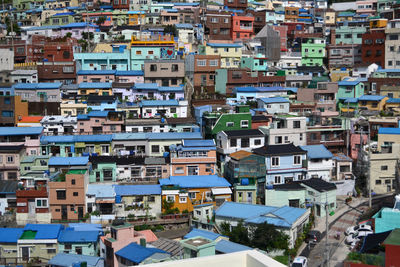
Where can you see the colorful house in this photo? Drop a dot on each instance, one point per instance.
(372, 102)
(231, 54)
(100, 122)
(72, 241)
(97, 88)
(242, 27)
(313, 51)
(187, 191)
(118, 59)
(194, 157)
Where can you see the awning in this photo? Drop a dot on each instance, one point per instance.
(103, 201)
(221, 191)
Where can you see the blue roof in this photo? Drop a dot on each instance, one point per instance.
(349, 99)
(317, 152)
(146, 86)
(137, 253)
(79, 25)
(225, 246)
(203, 233)
(93, 138)
(196, 181)
(64, 14)
(71, 236)
(36, 86)
(184, 26)
(348, 83)
(44, 231)
(57, 139)
(224, 45)
(129, 73)
(371, 98)
(137, 190)
(100, 190)
(96, 72)
(98, 113)
(384, 130)
(66, 161)
(393, 100)
(5, 131)
(255, 214)
(86, 85)
(70, 260)
(10, 235)
(199, 143)
(275, 100)
(170, 88)
(151, 103)
(85, 226)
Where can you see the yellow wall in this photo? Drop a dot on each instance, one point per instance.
(233, 54)
(95, 91)
(370, 104)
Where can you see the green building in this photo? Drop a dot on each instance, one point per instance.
(215, 122)
(257, 63)
(350, 88)
(349, 35)
(78, 242)
(60, 19)
(313, 51)
(104, 169)
(198, 246)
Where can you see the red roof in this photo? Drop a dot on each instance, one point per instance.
(31, 119)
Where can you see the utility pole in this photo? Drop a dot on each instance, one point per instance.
(369, 168)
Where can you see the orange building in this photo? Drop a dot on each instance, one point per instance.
(67, 196)
(11, 109)
(291, 13)
(242, 27)
(185, 192)
(29, 121)
(194, 157)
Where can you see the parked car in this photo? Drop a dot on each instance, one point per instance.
(313, 237)
(355, 237)
(353, 229)
(300, 262)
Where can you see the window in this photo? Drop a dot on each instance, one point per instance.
(7, 113)
(277, 179)
(151, 199)
(72, 181)
(213, 63)
(391, 48)
(257, 142)
(244, 124)
(193, 170)
(61, 194)
(393, 37)
(230, 124)
(275, 161)
(245, 142)
(201, 62)
(214, 20)
(174, 68)
(105, 149)
(192, 195)
(388, 181)
(7, 101)
(378, 181)
(296, 124)
(41, 203)
(155, 149)
(384, 168)
(12, 176)
(153, 67)
(10, 159)
(179, 170)
(182, 200)
(297, 160)
(67, 246)
(75, 194)
(233, 142)
(278, 139)
(170, 198)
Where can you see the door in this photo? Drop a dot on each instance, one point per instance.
(80, 213)
(249, 197)
(64, 212)
(31, 206)
(25, 253)
(389, 188)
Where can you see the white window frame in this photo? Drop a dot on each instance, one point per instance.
(272, 161)
(169, 198)
(180, 171)
(294, 159)
(280, 179)
(242, 125)
(228, 124)
(10, 157)
(41, 206)
(182, 199)
(202, 61)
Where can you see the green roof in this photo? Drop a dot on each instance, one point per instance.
(393, 238)
(28, 235)
(76, 172)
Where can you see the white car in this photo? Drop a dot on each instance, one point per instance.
(300, 262)
(353, 229)
(355, 237)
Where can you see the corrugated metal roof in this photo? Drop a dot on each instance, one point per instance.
(275, 100)
(6, 131)
(199, 143)
(196, 181)
(393, 100)
(71, 236)
(69, 260)
(67, 161)
(8, 186)
(129, 73)
(137, 190)
(371, 98)
(317, 152)
(10, 235)
(224, 45)
(96, 72)
(147, 86)
(384, 130)
(174, 136)
(137, 253)
(153, 103)
(86, 85)
(226, 246)
(101, 190)
(36, 86)
(203, 233)
(44, 231)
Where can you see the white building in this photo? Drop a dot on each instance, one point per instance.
(232, 141)
(6, 59)
(285, 130)
(24, 76)
(185, 33)
(320, 162)
(392, 49)
(168, 108)
(54, 125)
(274, 105)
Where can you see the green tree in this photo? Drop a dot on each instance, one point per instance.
(171, 29)
(15, 25)
(239, 234)
(101, 20)
(267, 237)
